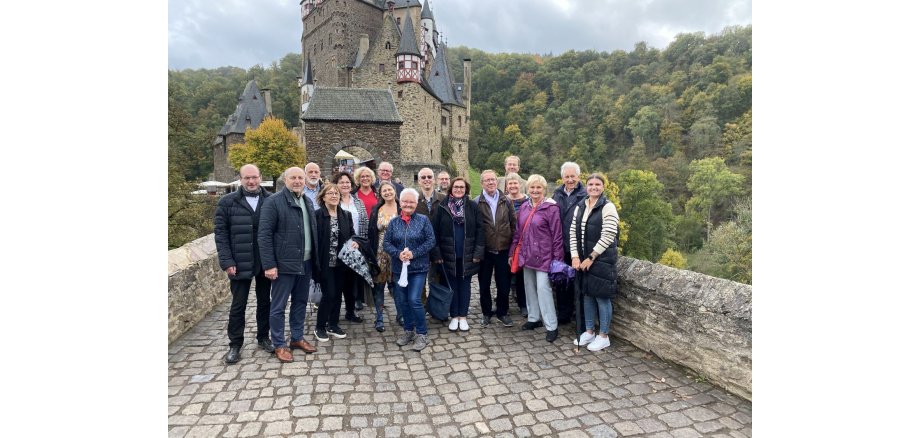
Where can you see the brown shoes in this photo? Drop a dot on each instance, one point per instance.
(284, 354)
(303, 345)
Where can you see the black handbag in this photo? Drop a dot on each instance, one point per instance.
(439, 298)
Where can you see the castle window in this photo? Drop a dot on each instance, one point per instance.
(432, 153)
(414, 65)
(388, 45)
(381, 68)
(397, 21)
(443, 121)
(460, 120)
(437, 73)
(399, 94)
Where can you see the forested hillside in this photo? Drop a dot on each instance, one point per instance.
(672, 128)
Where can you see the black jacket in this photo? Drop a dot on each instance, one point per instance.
(567, 208)
(346, 231)
(236, 233)
(474, 243)
(281, 234)
(601, 279)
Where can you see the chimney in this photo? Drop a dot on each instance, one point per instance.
(267, 95)
(467, 79)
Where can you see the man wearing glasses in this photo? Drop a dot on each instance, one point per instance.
(385, 173)
(429, 199)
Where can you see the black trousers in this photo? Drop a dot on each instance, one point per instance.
(239, 289)
(498, 263)
(337, 282)
(519, 291)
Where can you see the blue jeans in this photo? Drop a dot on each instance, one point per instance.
(460, 302)
(592, 307)
(378, 300)
(297, 288)
(409, 299)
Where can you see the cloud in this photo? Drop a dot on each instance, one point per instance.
(205, 34)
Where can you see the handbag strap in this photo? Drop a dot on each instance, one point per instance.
(527, 222)
(444, 273)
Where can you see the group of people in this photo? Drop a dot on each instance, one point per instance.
(356, 235)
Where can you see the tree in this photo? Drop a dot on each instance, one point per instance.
(730, 248)
(648, 214)
(188, 216)
(712, 186)
(271, 147)
(673, 259)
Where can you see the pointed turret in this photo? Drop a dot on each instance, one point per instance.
(306, 89)
(429, 49)
(408, 57)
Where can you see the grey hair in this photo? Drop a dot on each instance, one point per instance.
(425, 168)
(570, 164)
(410, 191)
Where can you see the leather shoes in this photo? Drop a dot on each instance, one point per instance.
(266, 345)
(284, 354)
(531, 325)
(232, 356)
(353, 318)
(303, 345)
(551, 335)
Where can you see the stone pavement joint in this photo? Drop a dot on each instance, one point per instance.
(490, 381)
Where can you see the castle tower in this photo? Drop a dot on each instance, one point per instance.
(408, 57)
(306, 88)
(429, 51)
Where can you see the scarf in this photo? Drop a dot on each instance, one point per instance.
(406, 218)
(251, 194)
(455, 206)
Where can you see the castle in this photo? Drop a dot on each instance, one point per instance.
(376, 84)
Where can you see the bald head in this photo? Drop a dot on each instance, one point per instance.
(294, 179)
(250, 177)
(312, 171)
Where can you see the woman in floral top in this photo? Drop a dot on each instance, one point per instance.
(381, 216)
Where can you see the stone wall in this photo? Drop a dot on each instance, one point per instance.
(196, 284)
(223, 172)
(420, 133)
(698, 321)
(324, 139)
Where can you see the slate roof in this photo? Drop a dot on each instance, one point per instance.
(250, 105)
(406, 3)
(308, 72)
(408, 43)
(426, 11)
(441, 80)
(352, 104)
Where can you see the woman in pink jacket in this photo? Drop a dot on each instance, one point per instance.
(539, 236)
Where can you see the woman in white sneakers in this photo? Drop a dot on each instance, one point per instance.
(593, 246)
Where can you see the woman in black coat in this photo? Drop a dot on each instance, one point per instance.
(334, 228)
(460, 245)
(593, 246)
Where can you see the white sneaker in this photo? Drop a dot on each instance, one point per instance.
(464, 326)
(453, 324)
(586, 338)
(599, 343)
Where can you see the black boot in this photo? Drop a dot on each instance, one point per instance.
(232, 356)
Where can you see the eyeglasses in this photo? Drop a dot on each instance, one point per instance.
(425, 177)
(386, 170)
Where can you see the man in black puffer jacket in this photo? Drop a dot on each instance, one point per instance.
(289, 246)
(567, 196)
(236, 227)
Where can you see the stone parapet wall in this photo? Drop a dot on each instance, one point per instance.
(196, 284)
(698, 321)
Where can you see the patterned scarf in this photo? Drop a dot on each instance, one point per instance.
(455, 205)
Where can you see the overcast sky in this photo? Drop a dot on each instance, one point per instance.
(208, 34)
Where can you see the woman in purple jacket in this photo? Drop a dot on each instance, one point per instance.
(539, 233)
